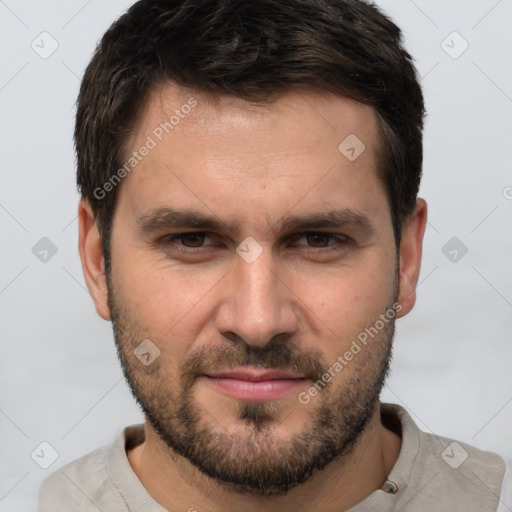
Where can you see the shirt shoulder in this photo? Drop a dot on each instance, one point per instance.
(506, 489)
(477, 471)
(83, 485)
(437, 471)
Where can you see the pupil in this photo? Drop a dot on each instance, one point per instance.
(316, 239)
(198, 238)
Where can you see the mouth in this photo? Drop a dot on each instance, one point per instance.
(253, 384)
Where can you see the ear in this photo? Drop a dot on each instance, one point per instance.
(93, 263)
(410, 256)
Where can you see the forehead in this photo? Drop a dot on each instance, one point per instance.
(223, 153)
(171, 110)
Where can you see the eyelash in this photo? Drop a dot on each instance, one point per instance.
(169, 240)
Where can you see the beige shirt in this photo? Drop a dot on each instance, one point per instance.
(431, 474)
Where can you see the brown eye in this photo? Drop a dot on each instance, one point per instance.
(186, 243)
(318, 239)
(193, 239)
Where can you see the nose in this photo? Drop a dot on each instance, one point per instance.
(256, 303)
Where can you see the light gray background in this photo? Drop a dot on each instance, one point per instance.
(60, 381)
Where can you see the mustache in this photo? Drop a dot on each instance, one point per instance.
(275, 355)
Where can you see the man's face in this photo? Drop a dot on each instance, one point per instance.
(245, 326)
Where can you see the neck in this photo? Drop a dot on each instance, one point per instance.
(176, 484)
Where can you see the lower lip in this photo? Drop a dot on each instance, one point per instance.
(255, 391)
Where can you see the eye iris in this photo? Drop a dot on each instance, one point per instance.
(199, 239)
(317, 239)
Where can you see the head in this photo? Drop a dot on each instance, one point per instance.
(283, 142)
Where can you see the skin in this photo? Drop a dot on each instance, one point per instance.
(253, 165)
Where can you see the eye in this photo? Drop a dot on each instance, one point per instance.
(188, 243)
(193, 239)
(318, 240)
(195, 243)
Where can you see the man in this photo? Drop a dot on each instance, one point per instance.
(249, 223)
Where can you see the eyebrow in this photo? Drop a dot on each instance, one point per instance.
(161, 219)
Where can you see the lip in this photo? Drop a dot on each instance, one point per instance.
(255, 385)
(254, 375)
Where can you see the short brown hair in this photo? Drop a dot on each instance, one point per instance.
(256, 51)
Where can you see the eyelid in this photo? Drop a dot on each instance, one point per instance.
(335, 236)
(176, 236)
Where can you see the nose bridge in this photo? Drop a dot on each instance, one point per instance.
(257, 305)
(258, 284)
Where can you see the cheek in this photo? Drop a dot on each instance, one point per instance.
(167, 300)
(344, 302)
(155, 289)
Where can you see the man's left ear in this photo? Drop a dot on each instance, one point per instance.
(410, 256)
